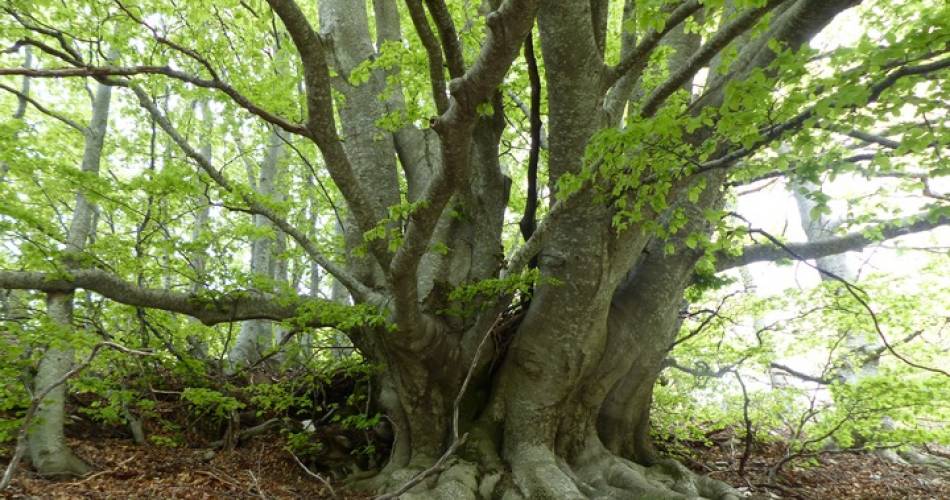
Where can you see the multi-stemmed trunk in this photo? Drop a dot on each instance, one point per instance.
(558, 401)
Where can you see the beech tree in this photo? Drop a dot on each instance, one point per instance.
(515, 363)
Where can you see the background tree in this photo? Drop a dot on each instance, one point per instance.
(532, 363)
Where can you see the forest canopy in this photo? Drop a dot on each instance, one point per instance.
(478, 249)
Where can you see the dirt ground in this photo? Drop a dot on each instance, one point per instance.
(263, 469)
(855, 476)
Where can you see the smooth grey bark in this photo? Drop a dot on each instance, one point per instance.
(856, 361)
(563, 389)
(10, 300)
(21, 101)
(256, 337)
(561, 406)
(197, 347)
(818, 227)
(49, 452)
(371, 151)
(342, 346)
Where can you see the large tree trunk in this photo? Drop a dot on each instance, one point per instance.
(558, 401)
(564, 411)
(48, 450)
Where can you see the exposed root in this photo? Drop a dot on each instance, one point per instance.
(612, 477)
(913, 456)
(615, 477)
(460, 481)
(62, 464)
(537, 473)
(917, 457)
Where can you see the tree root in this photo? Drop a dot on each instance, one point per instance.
(914, 456)
(537, 473)
(63, 464)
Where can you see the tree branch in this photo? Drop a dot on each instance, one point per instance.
(321, 122)
(801, 375)
(637, 59)
(254, 206)
(103, 72)
(449, 37)
(529, 219)
(205, 307)
(857, 293)
(433, 53)
(872, 138)
(507, 28)
(765, 252)
(774, 132)
(24, 98)
(740, 25)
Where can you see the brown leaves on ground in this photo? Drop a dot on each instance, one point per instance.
(261, 469)
(838, 476)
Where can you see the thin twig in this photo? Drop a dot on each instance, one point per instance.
(257, 485)
(747, 450)
(852, 289)
(314, 474)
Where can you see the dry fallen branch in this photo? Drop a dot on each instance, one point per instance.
(314, 474)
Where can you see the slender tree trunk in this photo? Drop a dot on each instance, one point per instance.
(818, 227)
(342, 347)
(197, 346)
(256, 337)
(48, 450)
(11, 301)
(21, 102)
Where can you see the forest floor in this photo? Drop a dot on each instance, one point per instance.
(847, 475)
(263, 469)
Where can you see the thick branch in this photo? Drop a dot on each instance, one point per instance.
(529, 219)
(702, 370)
(313, 58)
(208, 309)
(321, 123)
(507, 28)
(833, 246)
(740, 25)
(798, 121)
(634, 62)
(433, 51)
(823, 380)
(873, 138)
(449, 37)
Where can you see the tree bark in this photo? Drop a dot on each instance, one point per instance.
(197, 347)
(49, 452)
(557, 405)
(256, 337)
